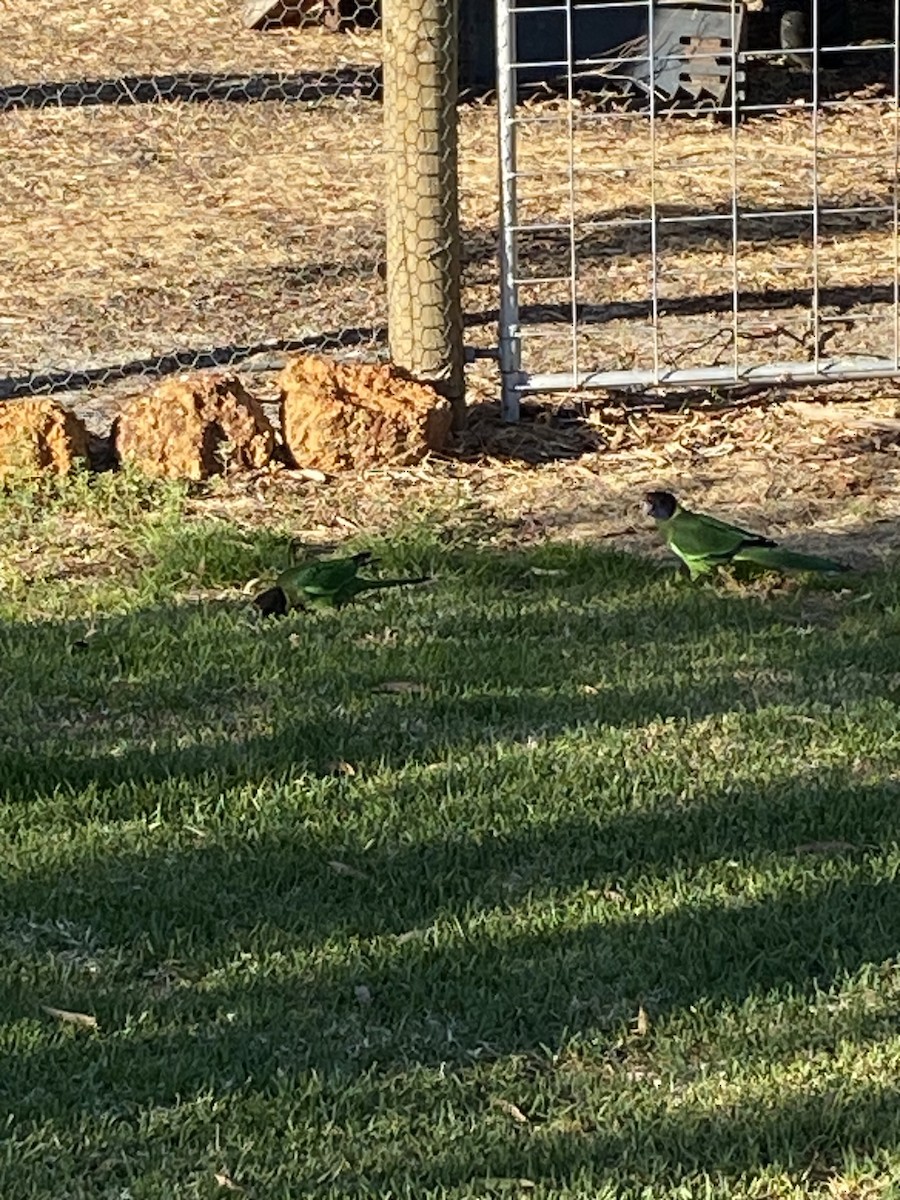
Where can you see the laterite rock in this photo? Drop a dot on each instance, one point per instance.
(39, 435)
(346, 416)
(194, 427)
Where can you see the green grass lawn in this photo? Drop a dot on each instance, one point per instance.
(599, 899)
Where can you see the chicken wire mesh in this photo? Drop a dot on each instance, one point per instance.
(697, 204)
(423, 240)
(186, 184)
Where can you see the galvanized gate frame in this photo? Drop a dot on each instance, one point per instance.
(519, 379)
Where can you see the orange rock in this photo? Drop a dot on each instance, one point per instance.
(340, 416)
(39, 435)
(194, 427)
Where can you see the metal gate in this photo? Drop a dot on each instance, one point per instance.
(712, 202)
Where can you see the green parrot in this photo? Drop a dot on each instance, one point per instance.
(704, 543)
(327, 583)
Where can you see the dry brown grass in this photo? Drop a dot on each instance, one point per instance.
(51, 40)
(134, 231)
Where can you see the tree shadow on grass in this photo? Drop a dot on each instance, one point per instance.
(199, 691)
(210, 896)
(807, 1133)
(240, 955)
(453, 1002)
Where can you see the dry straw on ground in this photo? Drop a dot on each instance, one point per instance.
(136, 230)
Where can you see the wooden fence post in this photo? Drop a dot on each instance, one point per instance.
(420, 136)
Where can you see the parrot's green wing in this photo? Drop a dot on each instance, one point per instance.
(327, 577)
(696, 535)
(317, 579)
(704, 543)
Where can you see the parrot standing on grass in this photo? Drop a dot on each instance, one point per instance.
(704, 543)
(328, 583)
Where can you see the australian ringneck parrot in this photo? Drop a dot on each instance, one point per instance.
(327, 583)
(704, 543)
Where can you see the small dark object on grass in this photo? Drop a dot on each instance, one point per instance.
(272, 602)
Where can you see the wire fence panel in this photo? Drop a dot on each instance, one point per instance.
(182, 190)
(697, 193)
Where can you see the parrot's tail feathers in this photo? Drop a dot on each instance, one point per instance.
(272, 602)
(779, 559)
(389, 583)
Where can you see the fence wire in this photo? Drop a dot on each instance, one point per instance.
(698, 193)
(183, 190)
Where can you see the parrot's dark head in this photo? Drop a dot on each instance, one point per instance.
(272, 602)
(660, 505)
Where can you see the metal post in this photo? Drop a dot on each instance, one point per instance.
(510, 341)
(420, 133)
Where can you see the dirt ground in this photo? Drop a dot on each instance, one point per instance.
(225, 232)
(823, 475)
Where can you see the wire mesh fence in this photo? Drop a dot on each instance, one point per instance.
(182, 190)
(191, 185)
(705, 193)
